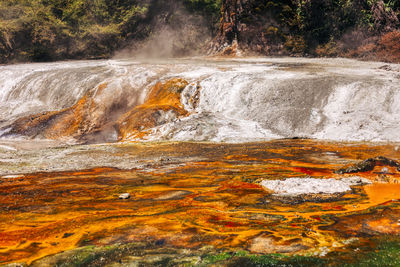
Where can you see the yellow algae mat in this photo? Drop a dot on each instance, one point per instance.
(195, 195)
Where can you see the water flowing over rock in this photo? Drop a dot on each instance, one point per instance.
(161, 106)
(204, 99)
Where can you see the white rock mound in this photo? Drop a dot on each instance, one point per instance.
(300, 186)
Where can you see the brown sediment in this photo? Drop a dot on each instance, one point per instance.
(162, 105)
(190, 204)
(384, 221)
(265, 244)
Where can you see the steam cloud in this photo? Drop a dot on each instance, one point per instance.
(175, 33)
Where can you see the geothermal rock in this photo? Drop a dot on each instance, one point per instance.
(369, 165)
(124, 196)
(300, 186)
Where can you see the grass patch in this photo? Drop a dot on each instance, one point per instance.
(381, 251)
(213, 258)
(244, 258)
(386, 253)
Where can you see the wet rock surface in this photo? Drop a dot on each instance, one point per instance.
(202, 99)
(369, 165)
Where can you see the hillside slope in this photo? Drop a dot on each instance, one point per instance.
(48, 30)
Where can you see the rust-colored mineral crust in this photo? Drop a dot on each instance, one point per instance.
(161, 106)
(83, 118)
(191, 195)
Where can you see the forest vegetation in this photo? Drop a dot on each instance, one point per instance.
(46, 30)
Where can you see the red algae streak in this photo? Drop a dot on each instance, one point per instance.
(213, 201)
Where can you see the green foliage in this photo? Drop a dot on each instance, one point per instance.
(210, 7)
(43, 30)
(393, 4)
(322, 23)
(56, 29)
(268, 25)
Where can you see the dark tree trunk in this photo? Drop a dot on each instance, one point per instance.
(226, 40)
(253, 26)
